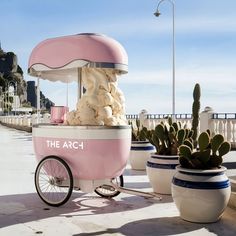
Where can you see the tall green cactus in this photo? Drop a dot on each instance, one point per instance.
(209, 155)
(195, 111)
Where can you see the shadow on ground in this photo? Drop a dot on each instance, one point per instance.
(22, 208)
(130, 172)
(230, 165)
(166, 226)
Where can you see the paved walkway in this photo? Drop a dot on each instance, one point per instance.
(23, 213)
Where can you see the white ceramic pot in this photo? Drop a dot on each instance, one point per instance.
(160, 171)
(139, 154)
(232, 200)
(201, 195)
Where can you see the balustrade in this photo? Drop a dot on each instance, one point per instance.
(222, 123)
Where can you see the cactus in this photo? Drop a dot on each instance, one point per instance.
(224, 148)
(203, 141)
(216, 142)
(139, 133)
(195, 112)
(168, 137)
(209, 155)
(181, 136)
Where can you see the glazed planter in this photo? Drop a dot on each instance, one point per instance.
(232, 200)
(160, 171)
(139, 154)
(201, 195)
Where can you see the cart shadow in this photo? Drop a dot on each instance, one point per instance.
(91, 204)
(22, 208)
(166, 226)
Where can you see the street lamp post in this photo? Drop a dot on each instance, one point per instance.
(157, 14)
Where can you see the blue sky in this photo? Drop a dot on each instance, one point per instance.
(205, 46)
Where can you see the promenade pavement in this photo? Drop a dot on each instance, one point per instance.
(23, 213)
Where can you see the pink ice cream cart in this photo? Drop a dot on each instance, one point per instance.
(87, 158)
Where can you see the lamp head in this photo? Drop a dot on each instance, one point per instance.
(157, 13)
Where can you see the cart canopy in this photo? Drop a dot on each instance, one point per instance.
(58, 59)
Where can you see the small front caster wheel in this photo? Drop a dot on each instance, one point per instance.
(109, 191)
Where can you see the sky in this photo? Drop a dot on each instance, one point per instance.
(205, 47)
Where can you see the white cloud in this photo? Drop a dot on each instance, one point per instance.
(218, 89)
(152, 25)
(206, 24)
(214, 76)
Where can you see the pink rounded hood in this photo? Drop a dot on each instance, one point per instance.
(59, 58)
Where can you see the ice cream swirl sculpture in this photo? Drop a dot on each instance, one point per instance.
(103, 103)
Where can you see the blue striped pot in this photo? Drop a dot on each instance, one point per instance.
(160, 171)
(201, 195)
(140, 151)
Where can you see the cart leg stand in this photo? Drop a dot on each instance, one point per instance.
(136, 192)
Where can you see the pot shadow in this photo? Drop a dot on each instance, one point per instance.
(167, 226)
(137, 185)
(22, 208)
(229, 165)
(130, 172)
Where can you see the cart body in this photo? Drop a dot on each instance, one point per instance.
(92, 152)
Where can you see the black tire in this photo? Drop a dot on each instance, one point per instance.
(109, 191)
(53, 181)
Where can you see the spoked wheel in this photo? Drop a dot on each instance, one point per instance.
(109, 191)
(53, 181)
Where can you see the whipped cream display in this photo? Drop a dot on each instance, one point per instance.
(103, 103)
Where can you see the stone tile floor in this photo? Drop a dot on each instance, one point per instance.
(23, 213)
